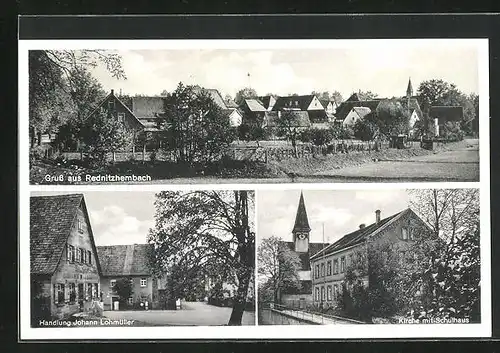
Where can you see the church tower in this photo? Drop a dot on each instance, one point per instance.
(301, 228)
(409, 89)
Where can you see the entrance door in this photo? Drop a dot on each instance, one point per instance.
(80, 295)
(115, 303)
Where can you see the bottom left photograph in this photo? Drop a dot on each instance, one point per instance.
(121, 258)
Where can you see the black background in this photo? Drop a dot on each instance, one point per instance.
(270, 27)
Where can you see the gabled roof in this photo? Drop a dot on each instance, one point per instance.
(360, 235)
(230, 103)
(147, 107)
(125, 260)
(301, 221)
(213, 93)
(298, 102)
(51, 221)
(254, 105)
(266, 101)
(302, 118)
(362, 111)
(446, 113)
(345, 107)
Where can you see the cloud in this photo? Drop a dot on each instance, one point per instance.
(112, 225)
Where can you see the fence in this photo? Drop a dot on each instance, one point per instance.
(268, 153)
(277, 314)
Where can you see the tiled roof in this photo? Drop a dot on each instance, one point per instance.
(362, 111)
(446, 113)
(303, 102)
(125, 260)
(302, 118)
(345, 107)
(147, 107)
(213, 93)
(51, 219)
(254, 105)
(359, 235)
(230, 103)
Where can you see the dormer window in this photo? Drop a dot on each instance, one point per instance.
(121, 117)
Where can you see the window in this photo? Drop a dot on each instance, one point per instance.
(323, 293)
(336, 266)
(95, 287)
(59, 293)
(121, 117)
(342, 264)
(112, 284)
(111, 104)
(323, 269)
(89, 257)
(316, 293)
(72, 292)
(410, 233)
(329, 293)
(335, 291)
(404, 233)
(78, 255)
(329, 268)
(90, 290)
(131, 280)
(80, 226)
(351, 259)
(130, 301)
(82, 255)
(144, 282)
(317, 271)
(70, 253)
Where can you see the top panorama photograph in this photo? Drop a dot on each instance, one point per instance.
(401, 112)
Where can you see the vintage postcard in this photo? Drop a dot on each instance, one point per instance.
(254, 189)
(197, 112)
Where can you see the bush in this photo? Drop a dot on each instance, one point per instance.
(36, 153)
(305, 136)
(364, 130)
(321, 137)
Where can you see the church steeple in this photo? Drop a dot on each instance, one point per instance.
(409, 89)
(301, 220)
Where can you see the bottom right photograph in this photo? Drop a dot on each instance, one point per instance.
(385, 256)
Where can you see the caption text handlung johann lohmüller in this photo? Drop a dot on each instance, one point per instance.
(96, 178)
(80, 323)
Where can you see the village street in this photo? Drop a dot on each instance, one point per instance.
(191, 314)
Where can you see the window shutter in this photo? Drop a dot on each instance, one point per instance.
(68, 254)
(55, 293)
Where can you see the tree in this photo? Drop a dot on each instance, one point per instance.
(365, 130)
(206, 232)
(196, 130)
(328, 96)
(452, 278)
(339, 132)
(437, 92)
(101, 133)
(278, 266)
(244, 93)
(390, 117)
(289, 126)
(54, 79)
(336, 96)
(252, 132)
(124, 289)
(366, 95)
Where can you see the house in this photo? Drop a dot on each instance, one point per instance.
(330, 106)
(254, 112)
(329, 266)
(64, 265)
(134, 263)
(305, 249)
(356, 114)
(306, 103)
(444, 117)
(345, 108)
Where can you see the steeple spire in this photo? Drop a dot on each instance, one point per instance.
(409, 89)
(301, 221)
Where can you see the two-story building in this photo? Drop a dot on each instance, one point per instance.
(329, 266)
(132, 262)
(65, 268)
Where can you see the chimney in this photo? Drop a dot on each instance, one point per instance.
(362, 225)
(112, 92)
(377, 217)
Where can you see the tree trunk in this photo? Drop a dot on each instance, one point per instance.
(240, 299)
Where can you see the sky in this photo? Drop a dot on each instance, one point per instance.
(383, 69)
(341, 211)
(118, 218)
